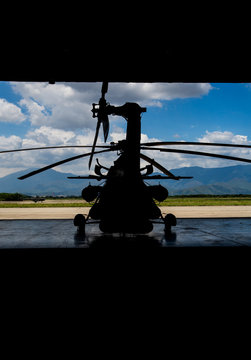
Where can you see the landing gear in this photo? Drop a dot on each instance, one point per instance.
(80, 222)
(123, 225)
(169, 221)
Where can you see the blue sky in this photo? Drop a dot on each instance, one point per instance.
(39, 114)
(227, 107)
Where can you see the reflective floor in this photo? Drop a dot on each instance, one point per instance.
(23, 234)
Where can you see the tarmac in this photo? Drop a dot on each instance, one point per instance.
(178, 211)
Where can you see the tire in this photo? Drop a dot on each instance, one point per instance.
(79, 221)
(169, 220)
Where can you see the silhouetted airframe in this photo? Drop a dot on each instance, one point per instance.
(125, 204)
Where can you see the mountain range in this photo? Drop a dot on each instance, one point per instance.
(213, 181)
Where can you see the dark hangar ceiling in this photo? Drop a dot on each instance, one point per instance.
(143, 55)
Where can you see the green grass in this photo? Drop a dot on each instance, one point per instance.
(228, 200)
(12, 197)
(42, 205)
(207, 201)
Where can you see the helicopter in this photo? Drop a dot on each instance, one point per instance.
(125, 203)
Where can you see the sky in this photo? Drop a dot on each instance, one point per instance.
(42, 114)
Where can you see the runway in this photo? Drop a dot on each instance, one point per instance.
(189, 232)
(178, 211)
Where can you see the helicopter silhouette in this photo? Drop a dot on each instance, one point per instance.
(125, 203)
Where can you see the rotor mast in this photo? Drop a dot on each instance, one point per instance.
(133, 136)
(132, 113)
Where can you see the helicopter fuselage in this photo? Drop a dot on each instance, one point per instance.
(125, 203)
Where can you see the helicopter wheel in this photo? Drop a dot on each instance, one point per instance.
(169, 221)
(80, 221)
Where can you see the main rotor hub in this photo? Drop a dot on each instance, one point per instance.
(127, 110)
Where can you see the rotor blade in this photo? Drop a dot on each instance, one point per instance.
(199, 153)
(94, 143)
(54, 147)
(192, 143)
(105, 122)
(101, 118)
(158, 166)
(104, 88)
(60, 163)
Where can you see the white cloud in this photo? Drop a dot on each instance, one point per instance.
(117, 134)
(152, 93)
(61, 115)
(173, 160)
(10, 113)
(46, 136)
(68, 105)
(37, 113)
(44, 93)
(57, 106)
(224, 137)
(229, 138)
(10, 142)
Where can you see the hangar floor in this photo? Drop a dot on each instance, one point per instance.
(213, 232)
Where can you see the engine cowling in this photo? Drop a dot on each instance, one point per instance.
(90, 193)
(158, 192)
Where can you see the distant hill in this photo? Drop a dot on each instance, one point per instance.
(218, 181)
(213, 181)
(50, 182)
